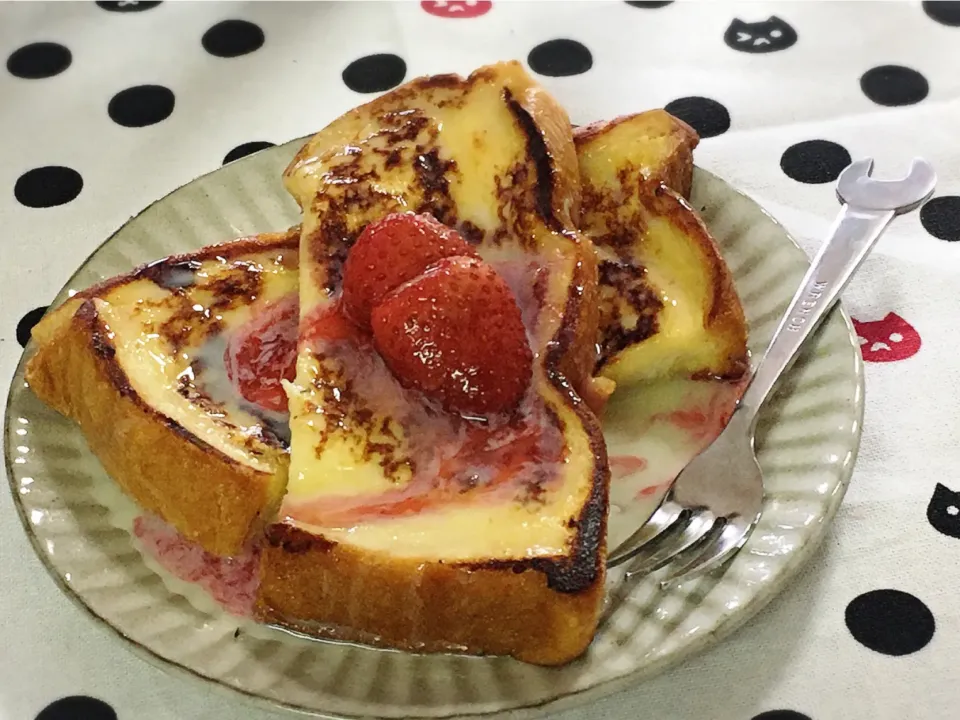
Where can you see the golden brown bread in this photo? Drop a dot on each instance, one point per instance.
(208, 496)
(492, 155)
(668, 304)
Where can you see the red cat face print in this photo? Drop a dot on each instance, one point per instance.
(887, 340)
(457, 8)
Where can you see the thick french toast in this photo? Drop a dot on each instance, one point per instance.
(668, 303)
(138, 361)
(421, 529)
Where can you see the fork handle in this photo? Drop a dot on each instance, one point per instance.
(853, 235)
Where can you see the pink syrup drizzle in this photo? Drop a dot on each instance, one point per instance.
(231, 581)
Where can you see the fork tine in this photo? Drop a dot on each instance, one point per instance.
(665, 517)
(714, 553)
(696, 530)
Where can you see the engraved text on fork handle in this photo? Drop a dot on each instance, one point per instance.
(851, 238)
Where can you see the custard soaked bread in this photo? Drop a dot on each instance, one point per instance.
(668, 304)
(415, 516)
(139, 362)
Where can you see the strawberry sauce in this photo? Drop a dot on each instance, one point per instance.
(230, 581)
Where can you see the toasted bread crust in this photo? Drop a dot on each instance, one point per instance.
(421, 606)
(208, 497)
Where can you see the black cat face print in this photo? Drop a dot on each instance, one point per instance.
(943, 512)
(768, 36)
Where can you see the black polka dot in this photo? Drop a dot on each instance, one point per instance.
(708, 117)
(946, 12)
(26, 324)
(246, 149)
(232, 38)
(141, 105)
(781, 715)
(649, 4)
(560, 58)
(891, 622)
(125, 6)
(814, 161)
(78, 707)
(375, 73)
(47, 186)
(894, 85)
(39, 60)
(941, 217)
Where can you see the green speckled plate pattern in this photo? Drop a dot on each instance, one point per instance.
(80, 525)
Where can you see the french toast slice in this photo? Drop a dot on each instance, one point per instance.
(138, 361)
(417, 528)
(668, 303)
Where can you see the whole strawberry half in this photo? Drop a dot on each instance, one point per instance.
(455, 333)
(392, 251)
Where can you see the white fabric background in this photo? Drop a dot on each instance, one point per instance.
(795, 655)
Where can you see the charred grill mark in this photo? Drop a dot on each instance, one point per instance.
(172, 276)
(612, 223)
(431, 172)
(538, 154)
(104, 350)
(328, 249)
(471, 233)
(345, 413)
(296, 541)
(275, 433)
(578, 571)
(238, 285)
(392, 159)
(624, 288)
(407, 125)
(351, 195)
(736, 369)
(446, 81)
(533, 493)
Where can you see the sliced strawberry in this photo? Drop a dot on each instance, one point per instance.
(456, 334)
(263, 352)
(391, 251)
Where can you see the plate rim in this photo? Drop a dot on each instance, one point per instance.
(744, 614)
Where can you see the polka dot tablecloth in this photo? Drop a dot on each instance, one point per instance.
(107, 106)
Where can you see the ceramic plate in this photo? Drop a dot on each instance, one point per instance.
(99, 551)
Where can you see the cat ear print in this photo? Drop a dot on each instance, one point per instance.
(943, 511)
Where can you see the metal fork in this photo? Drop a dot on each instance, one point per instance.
(715, 502)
